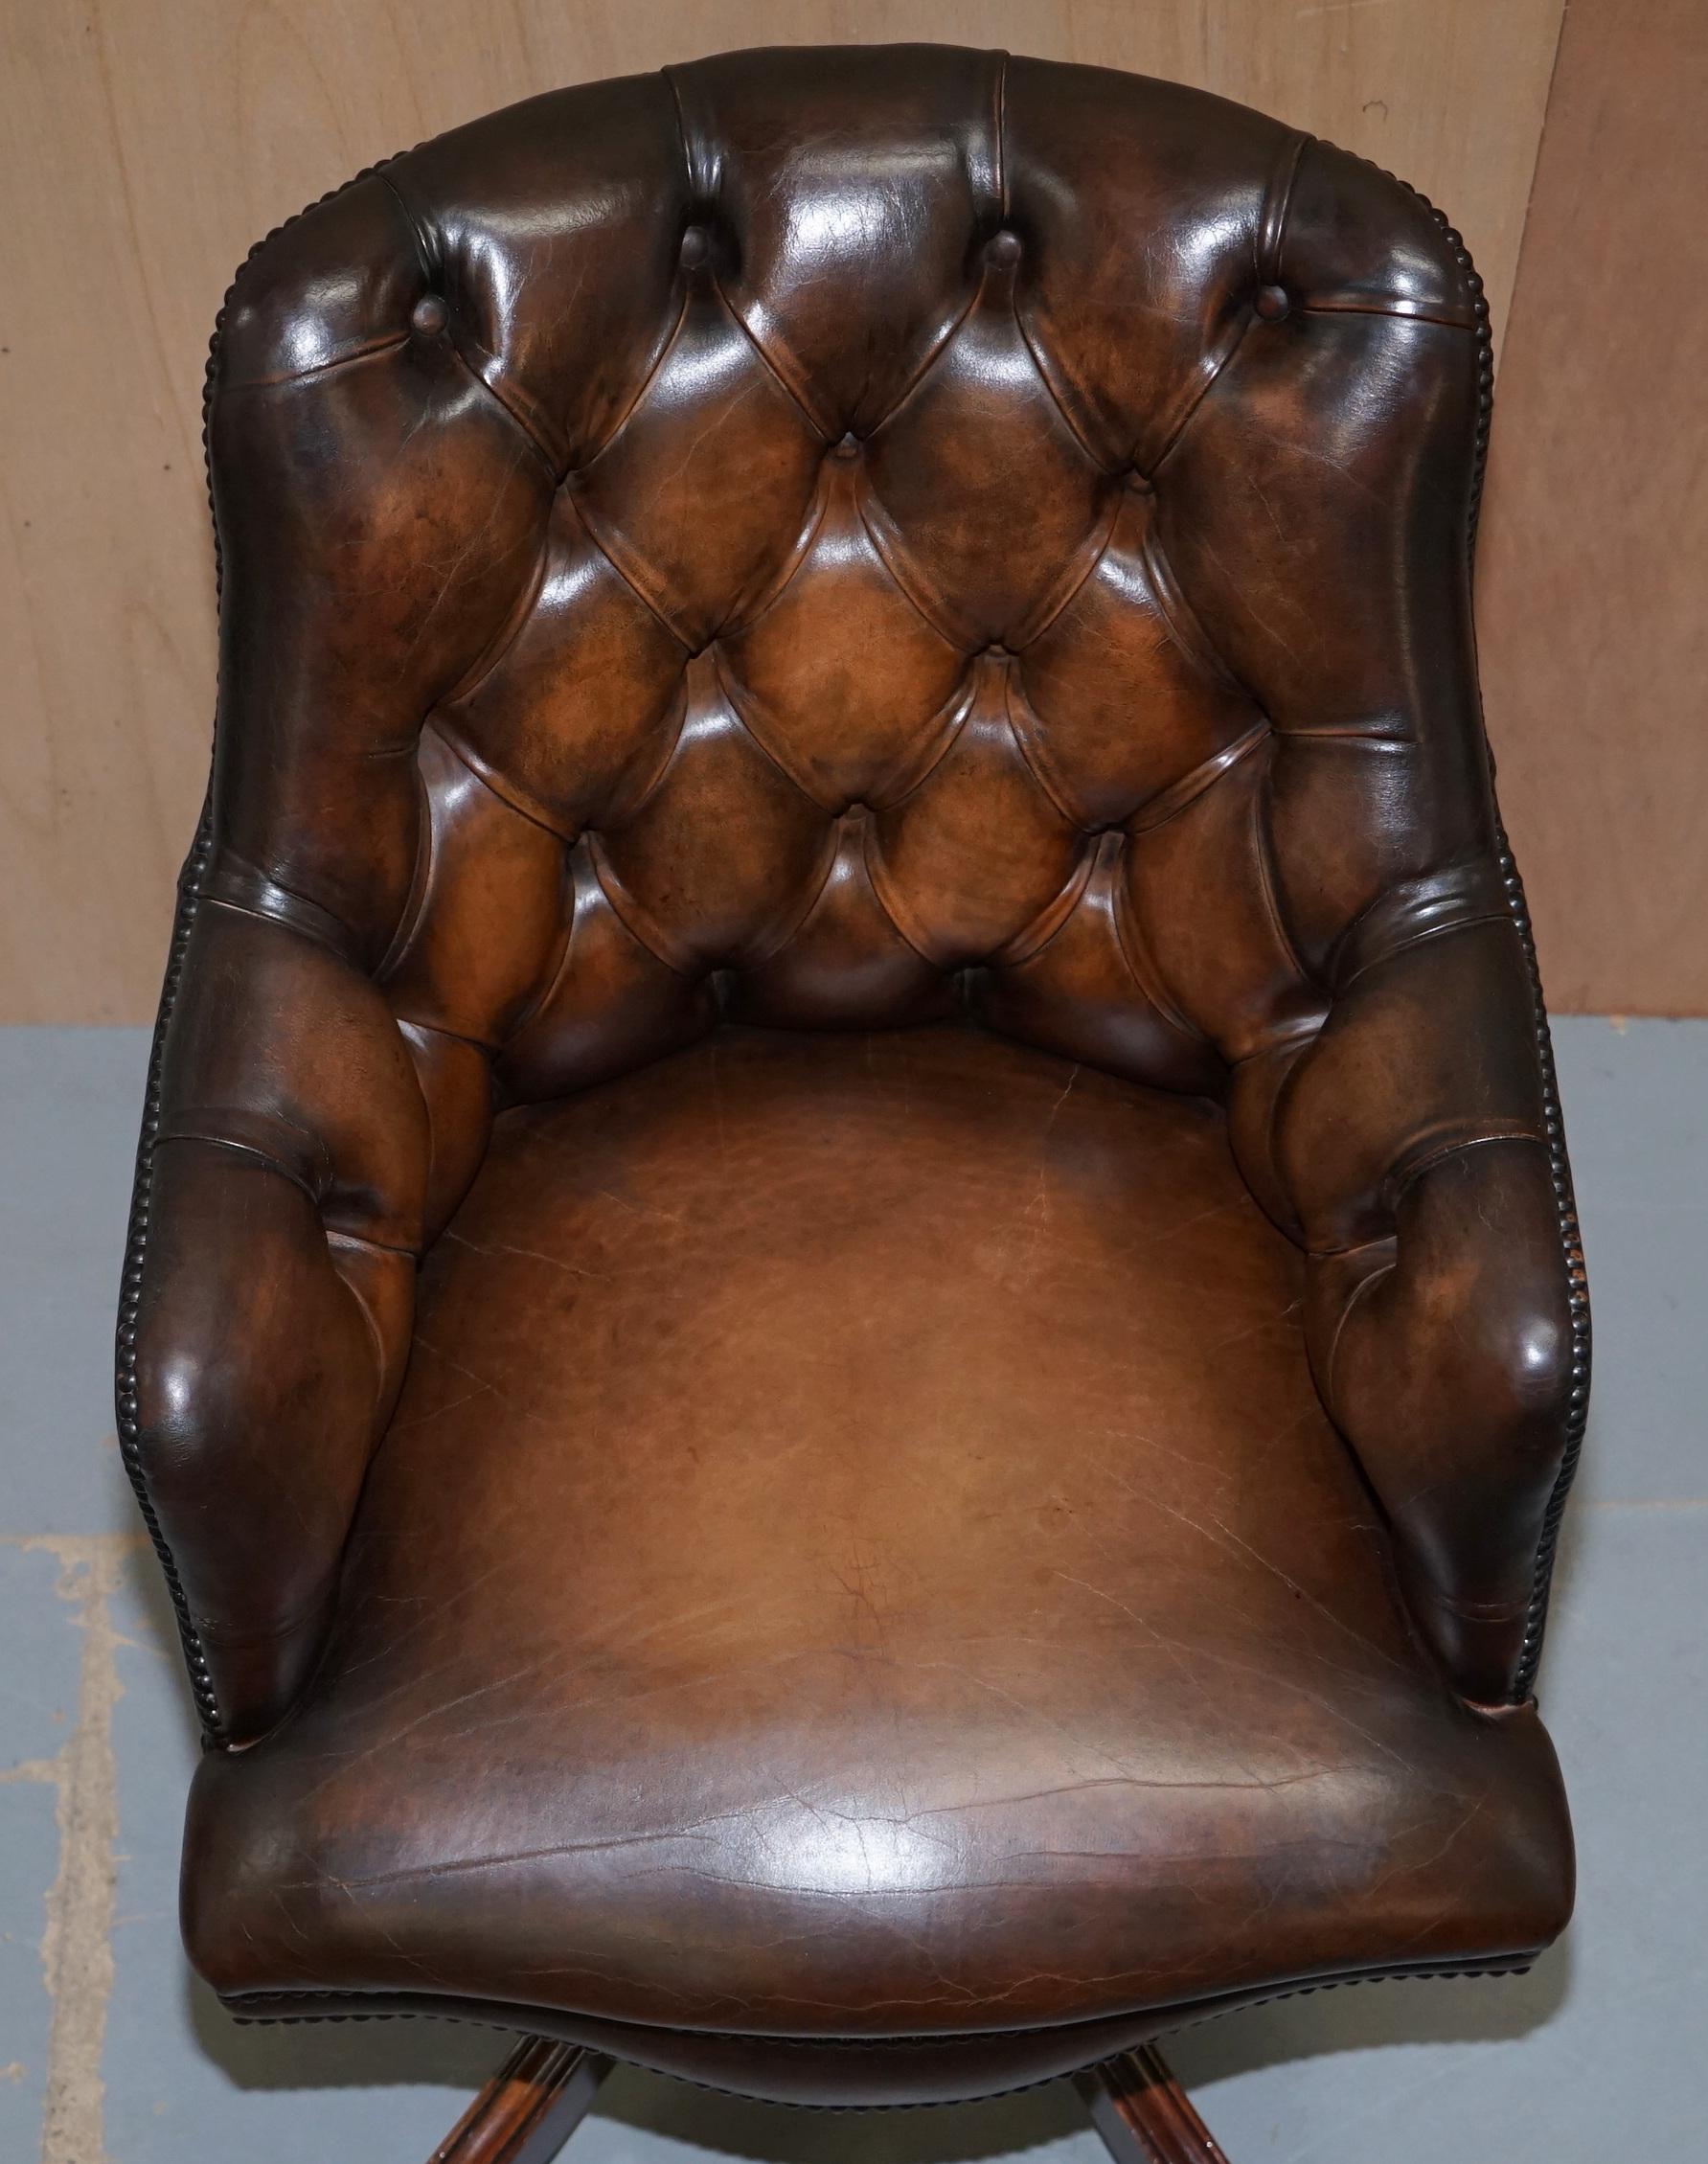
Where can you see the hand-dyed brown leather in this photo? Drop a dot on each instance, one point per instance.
(820, 540)
(860, 1551)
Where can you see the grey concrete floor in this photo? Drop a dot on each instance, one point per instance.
(111, 2054)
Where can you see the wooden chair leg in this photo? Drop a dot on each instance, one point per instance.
(529, 2107)
(1143, 2113)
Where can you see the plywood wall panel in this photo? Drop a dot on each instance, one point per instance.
(1594, 574)
(144, 143)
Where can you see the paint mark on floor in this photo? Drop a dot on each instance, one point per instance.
(76, 1951)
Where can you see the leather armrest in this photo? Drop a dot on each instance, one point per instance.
(261, 1379)
(1411, 1145)
(1444, 1355)
(1416, 1144)
(272, 1290)
(378, 512)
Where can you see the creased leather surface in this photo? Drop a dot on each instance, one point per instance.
(825, 542)
(859, 1551)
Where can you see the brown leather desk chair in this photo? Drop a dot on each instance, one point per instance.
(855, 1329)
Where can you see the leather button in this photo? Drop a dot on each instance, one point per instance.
(1272, 303)
(697, 246)
(1003, 249)
(430, 315)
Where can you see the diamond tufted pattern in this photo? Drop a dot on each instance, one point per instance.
(826, 541)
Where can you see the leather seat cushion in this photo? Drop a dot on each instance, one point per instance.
(859, 1553)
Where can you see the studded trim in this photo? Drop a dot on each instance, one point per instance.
(201, 1681)
(1428, 1972)
(1571, 1241)
(1535, 1619)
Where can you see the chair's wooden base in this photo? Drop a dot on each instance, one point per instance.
(529, 2107)
(543, 2091)
(1143, 2113)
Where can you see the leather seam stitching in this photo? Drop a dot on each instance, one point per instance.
(439, 1029)
(322, 939)
(1090, 553)
(374, 349)
(603, 546)
(1036, 630)
(1029, 760)
(877, 879)
(467, 758)
(1421, 937)
(512, 414)
(554, 975)
(1270, 236)
(1133, 946)
(1378, 1276)
(887, 546)
(959, 705)
(760, 955)
(367, 1239)
(1104, 466)
(1029, 942)
(1395, 310)
(370, 1321)
(1403, 1177)
(421, 872)
(1181, 795)
(1264, 852)
(336, 934)
(687, 139)
(1181, 620)
(605, 874)
(506, 638)
(1000, 131)
(901, 777)
(251, 1152)
(767, 596)
(1233, 338)
(928, 360)
(573, 475)
(417, 232)
(737, 704)
(797, 399)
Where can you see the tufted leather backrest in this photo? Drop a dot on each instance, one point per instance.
(831, 522)
(818, 536)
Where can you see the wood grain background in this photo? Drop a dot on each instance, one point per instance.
(144, 143)
(1593, 584)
